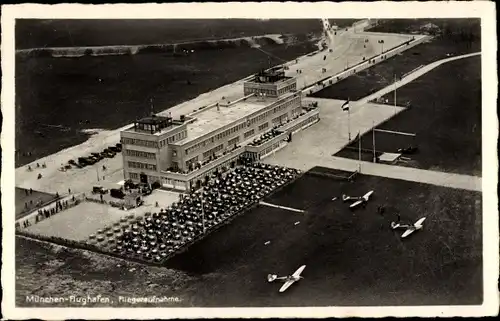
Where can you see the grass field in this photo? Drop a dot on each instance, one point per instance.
(445, 114)
(31, 200)
(352, 258)
(104, 32)
(458, 28)
(381, 75)
(78, 222)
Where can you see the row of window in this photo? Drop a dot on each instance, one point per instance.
(263, 126)
(305, 122)
(140, 142)
(212, 139)
(269, 149)
(264, 92)
(275, 110)
(150, 167)
(249, 133)
(233, 141)
(280, 119)
(169, 140)
(213, 151)
(287, 89)
(136, 153)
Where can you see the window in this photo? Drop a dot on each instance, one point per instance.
(133, 175)
(136, 153)
(150, 167)
(140, 142)
(263, 126)
(213, 151)
(233, 141)
(249, 133)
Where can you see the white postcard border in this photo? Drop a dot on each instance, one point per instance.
(480, 9)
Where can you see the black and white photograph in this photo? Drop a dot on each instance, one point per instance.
(339, 159)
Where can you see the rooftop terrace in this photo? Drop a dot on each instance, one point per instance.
(155, 125)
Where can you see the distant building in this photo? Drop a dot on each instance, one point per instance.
(184, 152)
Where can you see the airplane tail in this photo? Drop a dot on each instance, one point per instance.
(394, 225)
(271, 277)
(345, 197)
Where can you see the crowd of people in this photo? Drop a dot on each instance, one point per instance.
(265, 137)
(158, 235)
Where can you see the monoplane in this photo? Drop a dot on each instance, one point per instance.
(289, 279)
(358, 200)
(410, 228)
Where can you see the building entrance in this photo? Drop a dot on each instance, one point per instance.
(143, 178)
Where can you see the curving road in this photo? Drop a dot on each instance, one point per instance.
(414, 75)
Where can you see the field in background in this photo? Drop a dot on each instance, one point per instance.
(111, 91)
(34, 33)
(445, 114)
(381, 75)
(355, 253)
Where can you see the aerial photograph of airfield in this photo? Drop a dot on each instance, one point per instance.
(248, 163)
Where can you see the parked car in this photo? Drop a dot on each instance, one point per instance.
(83, 161)
(99, 190)
(117, 193)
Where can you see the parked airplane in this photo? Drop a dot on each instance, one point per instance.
(289, 280)
(409, 228)
(359, 200)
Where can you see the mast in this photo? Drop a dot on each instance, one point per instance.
(395, 87)
(374, 154)
(203, 213)
(349, 121)
(359, 150)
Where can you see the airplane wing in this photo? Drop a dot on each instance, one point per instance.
(420, 221)
(367, 195)
(407, 232)
(356, 203)
(286, 285)
(299, 271)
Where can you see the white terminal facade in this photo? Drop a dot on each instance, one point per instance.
(183, 153)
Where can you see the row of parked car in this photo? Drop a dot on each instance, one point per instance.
(93, 158)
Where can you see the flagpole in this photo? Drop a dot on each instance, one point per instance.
(374, 155)
(349, 122)
(359, 151)
(395, 87)
(203, 215)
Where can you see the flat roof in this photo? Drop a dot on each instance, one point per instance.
(175, 123)
(153, 120)
(213, 119)
(255, 79)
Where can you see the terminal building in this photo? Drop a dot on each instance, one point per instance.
(183, 153)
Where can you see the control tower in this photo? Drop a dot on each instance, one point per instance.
(270, 83)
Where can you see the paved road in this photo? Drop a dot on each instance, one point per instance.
(411, 77)
(308, 161)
